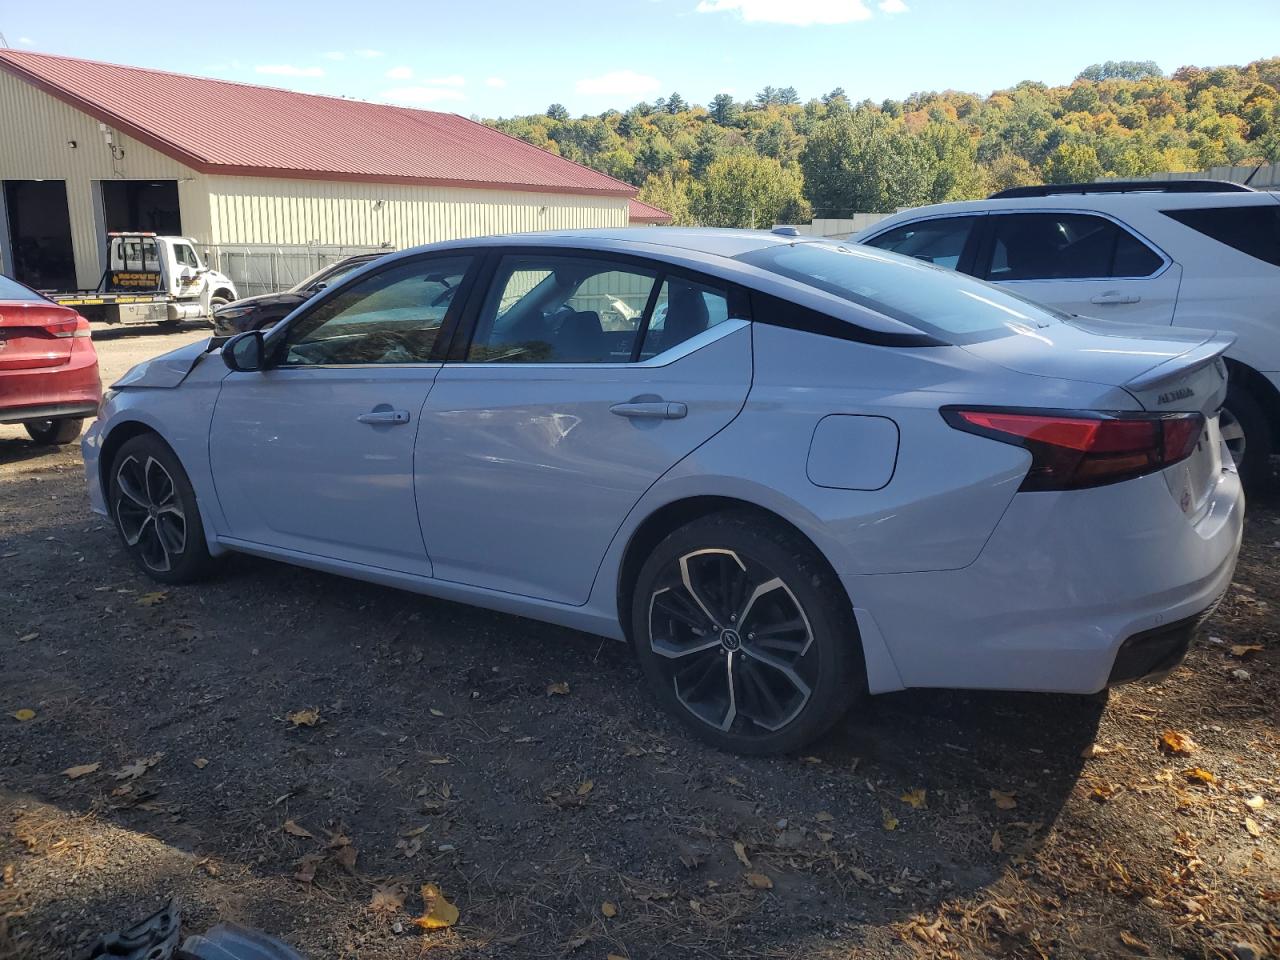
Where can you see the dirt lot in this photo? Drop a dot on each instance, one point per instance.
(302, 753)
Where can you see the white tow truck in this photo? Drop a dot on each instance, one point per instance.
(151, 279)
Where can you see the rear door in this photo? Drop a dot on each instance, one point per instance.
(584, 379)
(1080, 263)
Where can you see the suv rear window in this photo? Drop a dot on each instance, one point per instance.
(1254, 230)
(951, 306)
(12, 290)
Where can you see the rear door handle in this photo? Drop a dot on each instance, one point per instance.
(650, 410)
(1115, 297)
(384, 416)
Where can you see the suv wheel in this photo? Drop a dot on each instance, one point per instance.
(1248, 435)
(745, 634)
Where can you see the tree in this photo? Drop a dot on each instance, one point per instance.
(1073, 163)
(676, 104)
(724, 110)
(836, 94)
(787, 96)
(668, 193)
(742, 190)
(863, 162)
(557, 112)
(767, 97)
(1121, 70)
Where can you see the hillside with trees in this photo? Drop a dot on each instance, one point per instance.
(776, 159)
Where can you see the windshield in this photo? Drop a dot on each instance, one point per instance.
(12, 290)
(950, 306)
(330, 274)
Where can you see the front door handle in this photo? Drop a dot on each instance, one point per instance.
(384, 416)
(650, 410)
(1115, 296)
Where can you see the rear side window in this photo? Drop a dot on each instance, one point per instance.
(940, 241)
(1254, 230)
(1065, 246)
(14, 291)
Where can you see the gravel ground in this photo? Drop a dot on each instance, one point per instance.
(303, 753)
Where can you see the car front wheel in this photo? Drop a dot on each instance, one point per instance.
(746, 635)
(154, 510)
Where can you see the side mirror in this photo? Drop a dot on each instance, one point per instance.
(244, 353)
(318, 286)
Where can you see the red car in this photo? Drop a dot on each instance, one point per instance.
(48, 367)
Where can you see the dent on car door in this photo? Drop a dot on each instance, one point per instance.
(315, 454)
(585, 379)
(1081, 263)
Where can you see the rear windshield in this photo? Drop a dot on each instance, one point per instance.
(13, 290)
(1254, 230)
(952, 307)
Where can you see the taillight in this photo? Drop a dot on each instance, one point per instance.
(76, 326)
(1074, 449)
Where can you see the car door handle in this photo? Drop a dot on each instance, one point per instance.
(384, 416)
(1115, 297)
(650, 410)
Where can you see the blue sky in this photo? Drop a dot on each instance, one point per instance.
(504, 57)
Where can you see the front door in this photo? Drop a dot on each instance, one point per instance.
(1079, 263)
(585, 380)
(315, 455)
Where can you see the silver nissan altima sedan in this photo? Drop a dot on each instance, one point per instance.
(790, 472)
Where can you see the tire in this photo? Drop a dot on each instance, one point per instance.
(1249, 436)
(154, 510)
(684, 638)
(54, 432)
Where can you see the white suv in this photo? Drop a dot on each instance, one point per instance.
(1192, 253)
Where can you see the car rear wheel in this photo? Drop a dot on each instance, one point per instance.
(154, 509)
(54, 431)
(1248, 435)
(746, 635)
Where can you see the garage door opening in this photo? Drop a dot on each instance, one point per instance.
(142, 205)
(40, 233)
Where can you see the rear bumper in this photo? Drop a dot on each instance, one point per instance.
(1073, 592)
(72, 389)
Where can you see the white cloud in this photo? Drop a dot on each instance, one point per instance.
(334, 55)
(26, 40)
(496, 82)
(289, 70)
(421, 95)
(368, 54)
(619, 83)
(400, 73)
(799, 13)
(893, 6)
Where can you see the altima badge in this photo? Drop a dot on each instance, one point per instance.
(1180, 394)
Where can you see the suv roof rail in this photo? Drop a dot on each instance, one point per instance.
(1125, 186)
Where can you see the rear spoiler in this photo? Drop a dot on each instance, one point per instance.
(1198, 356)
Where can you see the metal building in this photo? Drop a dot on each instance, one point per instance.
(268, 181)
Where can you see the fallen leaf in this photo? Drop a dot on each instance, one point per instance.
(1129, 940)
(292, 828)
(1004, 801)
(758, 881)
(1251, 825)
(618, 956)
(1094, 750)
(1102, 792)
(1199, 775)
(1243, 650)
(436, 713)
(200, 763)
(439, 761)
(151, 599)
(997, 843)
(6, 876)
(823, 817)
(386, 900)
(24, 714)
(825, 836)
(75, 773)
(889, 821)
(740, 850)
(559, 689)
(1255, 802)
(132, 771)
(609, 909)
(439, 912)
(411, 846)
(307, 717)
(861, 875)
(810, 759)
(345, 857)
(585, 787)
(307, 868)
(27, 638)
(1177, 744)
(915, 798)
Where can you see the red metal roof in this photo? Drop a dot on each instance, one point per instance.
(638, 212)
(215, 126)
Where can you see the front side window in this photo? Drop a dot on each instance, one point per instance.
(186, 256)
(1254, 230)
(1065, 246)
(393, 316)
(940, 241)
(562, 309)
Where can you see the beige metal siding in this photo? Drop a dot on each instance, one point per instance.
(256, 210)
(35, 145)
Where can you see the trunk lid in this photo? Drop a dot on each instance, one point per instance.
(35, 334)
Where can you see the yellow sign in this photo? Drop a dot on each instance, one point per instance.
(136, 281)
